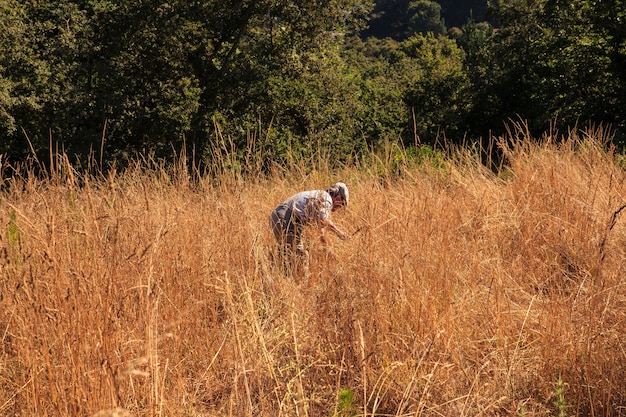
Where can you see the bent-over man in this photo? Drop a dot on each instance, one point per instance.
(306, 208)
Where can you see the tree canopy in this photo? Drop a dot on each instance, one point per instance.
(105, 78)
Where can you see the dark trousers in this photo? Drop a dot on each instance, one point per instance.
(288, 233)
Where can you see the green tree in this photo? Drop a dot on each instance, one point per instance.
(322, 106)
(585, 60)
(42, 76)
(155, 74)
(425, 17)
(220, 59)
(553, 61)
(387, 20)
(399, 19)
(384, 72)
(437, 99)
(483, 113)
(511, 74)
(14, 51)
(411, 90)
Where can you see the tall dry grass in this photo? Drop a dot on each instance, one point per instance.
(464, 293)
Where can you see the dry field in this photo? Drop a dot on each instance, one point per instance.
(465, 293)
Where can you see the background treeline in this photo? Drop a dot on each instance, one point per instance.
(103, 80)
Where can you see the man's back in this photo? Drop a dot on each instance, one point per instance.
(310, 206)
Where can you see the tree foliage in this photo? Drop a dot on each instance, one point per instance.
(154, 74)
(399, 19)
(552, 61)
(110, 78)
(411, 90)
(425, 17)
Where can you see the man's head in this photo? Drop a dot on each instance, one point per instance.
(339, 193)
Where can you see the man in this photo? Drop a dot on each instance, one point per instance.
(305, 208)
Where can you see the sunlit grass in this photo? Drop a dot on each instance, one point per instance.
(464, 292)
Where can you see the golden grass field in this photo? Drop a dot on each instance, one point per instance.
(466, 293)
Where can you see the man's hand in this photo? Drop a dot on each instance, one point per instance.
(328, 224)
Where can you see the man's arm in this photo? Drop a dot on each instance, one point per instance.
(328, 224)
